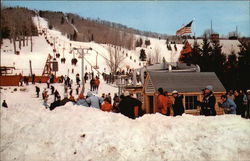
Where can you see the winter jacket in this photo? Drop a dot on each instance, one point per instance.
(161, 104)
(127, 107)
(207, 105)
(238, 100)
(106, 106)
(97, 82)
(82, 102)
(93, 101)
(178, 107)
(229, 106)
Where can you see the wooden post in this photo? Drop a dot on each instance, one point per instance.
(30, 68)
(31, 44)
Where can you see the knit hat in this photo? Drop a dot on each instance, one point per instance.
(126, 93)
(209, 87)
(174, 92)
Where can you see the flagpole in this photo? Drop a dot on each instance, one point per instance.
(194, 26)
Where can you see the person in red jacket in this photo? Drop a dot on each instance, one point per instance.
(161, 102)
(106, 106)
(169, 103)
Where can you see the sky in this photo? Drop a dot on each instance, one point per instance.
(164, 17)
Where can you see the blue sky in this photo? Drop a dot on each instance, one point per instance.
(157, 16)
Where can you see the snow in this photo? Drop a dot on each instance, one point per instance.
(71, 132)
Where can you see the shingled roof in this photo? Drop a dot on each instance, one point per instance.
(183, 82)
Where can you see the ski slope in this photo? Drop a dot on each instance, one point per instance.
(98, 56)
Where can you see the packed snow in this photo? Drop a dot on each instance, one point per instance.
(71, 132)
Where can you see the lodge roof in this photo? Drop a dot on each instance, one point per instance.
(183, 81)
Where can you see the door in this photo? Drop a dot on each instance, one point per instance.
(151, 104)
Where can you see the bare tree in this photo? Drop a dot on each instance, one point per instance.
(115, 59)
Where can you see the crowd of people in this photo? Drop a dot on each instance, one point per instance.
(234, 102)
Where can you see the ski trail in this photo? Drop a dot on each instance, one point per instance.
(75, 29)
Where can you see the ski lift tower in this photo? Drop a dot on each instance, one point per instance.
(82, 52)
(120, 84)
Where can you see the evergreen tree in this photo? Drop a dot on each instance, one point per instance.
(147, 42)
(140, 42)
(206, 52)
(196, 54)
(230, 74)
(244, 65)
(143, 55)
(217, 61)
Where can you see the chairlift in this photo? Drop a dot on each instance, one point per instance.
(73, 61)
(57, 55)
(63, 60)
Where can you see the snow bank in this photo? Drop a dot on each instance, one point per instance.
(69, 133)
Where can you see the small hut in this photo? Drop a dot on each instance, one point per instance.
(190, 84)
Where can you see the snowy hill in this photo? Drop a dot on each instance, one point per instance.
(41, 49)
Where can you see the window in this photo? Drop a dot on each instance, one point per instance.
(191, 102)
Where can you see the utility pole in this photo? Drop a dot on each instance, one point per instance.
(211, 31)
(83, 80)
(236, 31)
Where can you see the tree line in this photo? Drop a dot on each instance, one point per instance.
(232, 70)
(17, 26)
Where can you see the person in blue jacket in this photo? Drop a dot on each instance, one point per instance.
(93, 100)
(228, 105)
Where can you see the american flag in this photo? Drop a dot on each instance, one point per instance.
(185, 29)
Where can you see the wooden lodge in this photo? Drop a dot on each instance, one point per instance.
(190, 84)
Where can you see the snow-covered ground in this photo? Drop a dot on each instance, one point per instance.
(70, 133)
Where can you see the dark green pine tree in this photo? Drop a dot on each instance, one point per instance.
(217, 61)
(143, 55)
(231, 74)
(206, 52)
(244, 65)
(196, 54)
(140, 42)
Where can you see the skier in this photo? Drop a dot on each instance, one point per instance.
(4, 104)
(77, 89)
(52, 90)
(56, 95)
(37, 91)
